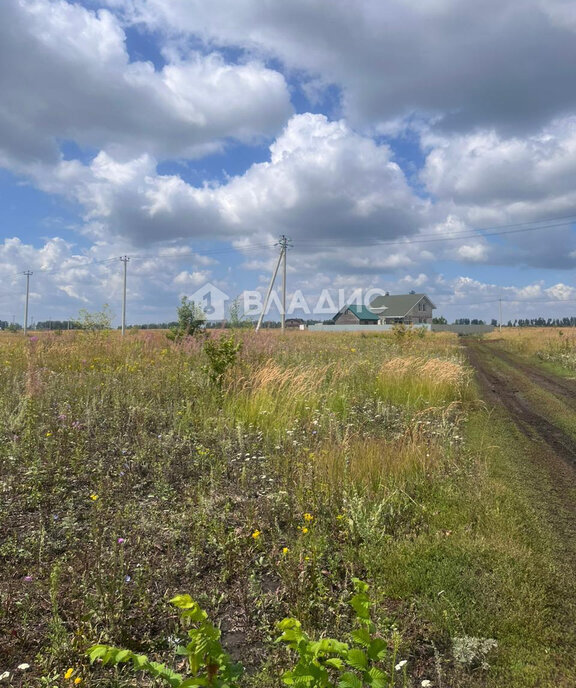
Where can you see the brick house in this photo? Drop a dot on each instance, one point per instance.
(410, 309)
(355, 315)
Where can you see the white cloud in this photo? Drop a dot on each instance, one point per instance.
(323, 181)
(504, 63)
(65, 74)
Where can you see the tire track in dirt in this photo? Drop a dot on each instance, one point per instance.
(560, 387)
(497, 388)
(544, 457)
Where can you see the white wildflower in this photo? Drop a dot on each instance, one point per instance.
(401, 664)
(23, 667)
(426, 683)
(4, 676)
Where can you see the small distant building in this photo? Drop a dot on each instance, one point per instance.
(355, 315)
(409, 309)
(295, 323)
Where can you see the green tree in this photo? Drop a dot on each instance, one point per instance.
(191, 320)
(96, 321)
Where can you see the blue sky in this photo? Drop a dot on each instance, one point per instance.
(381, 138)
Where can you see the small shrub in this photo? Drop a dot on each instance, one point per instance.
(209, 664)
(221, 354)
(471, 652)
(191, 320)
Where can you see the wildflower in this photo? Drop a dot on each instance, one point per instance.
(340, 517)
(94, 497)
(69, 673)
(48, 434)
(304, 530)
(400, 664)
(285, 550)
(256, 534)
(121, 541)
(127, 578)
(77, 680)
(4, 675)
(23, 667)
(308, 517)
(27, 579)
(426, 683)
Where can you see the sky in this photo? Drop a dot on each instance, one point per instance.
(425, 145)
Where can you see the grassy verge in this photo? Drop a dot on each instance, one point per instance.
(128, 477)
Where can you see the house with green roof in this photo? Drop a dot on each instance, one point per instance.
(355, 315)
(410, 309)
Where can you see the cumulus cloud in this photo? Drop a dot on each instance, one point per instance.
(65, 74)
(488, 180)
(502, 63)
(323, 181)
(66, 279)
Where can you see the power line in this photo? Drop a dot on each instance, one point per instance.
(445, 237)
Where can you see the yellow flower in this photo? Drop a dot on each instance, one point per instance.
(256, 534)
(308, 517)
(69, 673)
(340, 517)
(93, 497)
(285, 550)
(304, 530)
(48, 434)
(77, 680)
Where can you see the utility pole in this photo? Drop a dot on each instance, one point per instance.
(125, 260)
(500, 321)
(283, 243)
(284, 249)
(27, 273)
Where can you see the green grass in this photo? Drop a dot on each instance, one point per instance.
(127, 478)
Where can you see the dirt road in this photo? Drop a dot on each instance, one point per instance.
(542, 406)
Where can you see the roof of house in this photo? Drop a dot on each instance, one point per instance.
(396, 306)
(361, 312)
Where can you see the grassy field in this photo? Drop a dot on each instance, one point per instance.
(130, 473)
(552, 347)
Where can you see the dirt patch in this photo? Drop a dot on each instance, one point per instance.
(561, 387)
(553, 448)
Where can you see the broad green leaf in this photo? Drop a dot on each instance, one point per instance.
(378, 649)
(123, 656)
(357, 659)
(96, 652)
(361, 605)
(139, 661)
(183, 602)
(329, 645)
(360, 585)
(378, 679)
(362, 636)
(350, 680)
